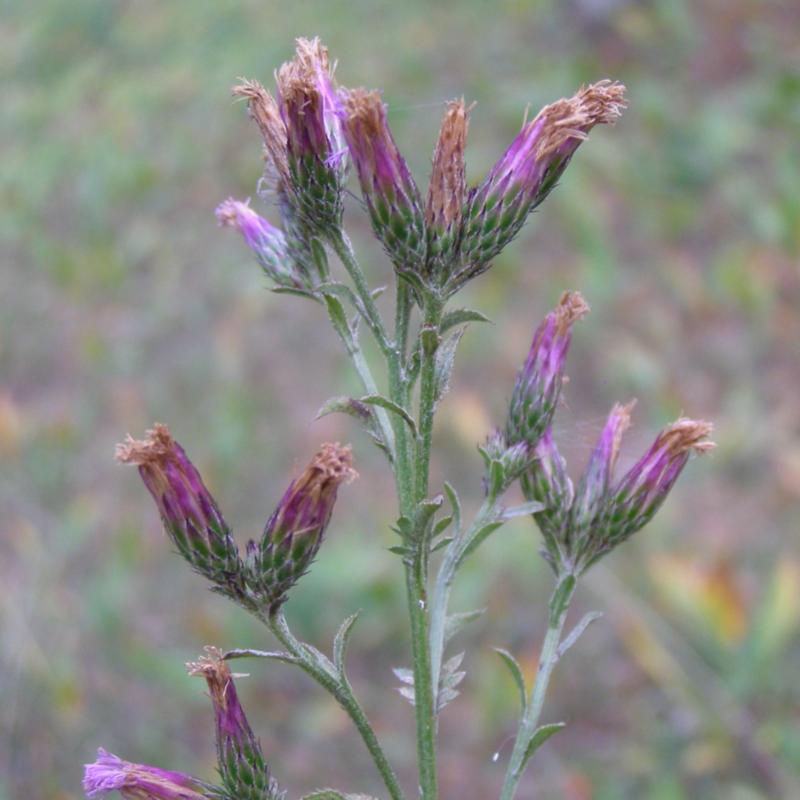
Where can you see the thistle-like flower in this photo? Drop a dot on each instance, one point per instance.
(268, 243)
(538, 384)
(447, 192)
(245, 774)
(142, 782)
(294, 532)
(315, 147)
(529, 169)
(190, 515)
(391, 195)
(636, 498)
(581, 526)
(301, 130)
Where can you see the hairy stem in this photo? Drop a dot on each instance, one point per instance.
(344, 249)
(324, 673)
(548, 658)
(440, 599)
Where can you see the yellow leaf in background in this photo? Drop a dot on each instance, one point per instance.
(708, 596)
(779, 616)
(11, 426)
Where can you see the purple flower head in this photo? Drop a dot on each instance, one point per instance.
(310, 107)
(538, 384)
(596, 478)
(392, 196)
(294, 532)
(190, 515)
(528, 170)
(139, 781)
(241, 760)
(642, 490)
(264, 239)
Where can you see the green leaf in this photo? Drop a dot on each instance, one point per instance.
(293, 291)
(455, 622)
(577, 631)
(478, 538)
(340, 641)
(390, 405)
(522, 510)
(443, 542)
(345, 405)
(459, 316)
(497, 479)
(443, 368)
(540, 736)
(338, 317)
(441, 526)
(455, 504)
(275, 655)
(516, 673)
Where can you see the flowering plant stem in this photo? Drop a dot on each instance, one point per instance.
(411, 477)
(526, 740)
(334, 681)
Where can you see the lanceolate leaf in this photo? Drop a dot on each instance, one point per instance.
(390, 405)
(577, 631)
(455, 622)
(540, 736)
(522, 510)
(340, 641)
(480, 536)
(455, 504)
(445, 358)
(275, 655)
(459, 316)
(516, 673)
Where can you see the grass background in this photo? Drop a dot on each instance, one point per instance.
(123, 303)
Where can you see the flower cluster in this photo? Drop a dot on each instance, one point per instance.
(198, 530)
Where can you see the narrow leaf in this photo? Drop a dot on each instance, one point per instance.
(340, 641)
(479, 538)
(497, 479)
(445, 359)
(441, 526)
(291, 290)
(404, 675)
(390, 405)
(455, 504)
(276, 655)
(522, 510)
(459, 316)
(338, 318)
(408, 693)
(443, 542)
(455, 622)
(345, 405)
(577, 631)
(516, 673)
(540, 736)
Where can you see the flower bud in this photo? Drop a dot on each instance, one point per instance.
(447, 192)
(315, 147)
(294, 533)
(244, 771)
(267, 242)
(529, 169)
(191, 517)
(640, 493)
(546, 481)
(392, 197)
(538, 384)
(141, 782)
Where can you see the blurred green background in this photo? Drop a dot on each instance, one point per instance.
(123, 303)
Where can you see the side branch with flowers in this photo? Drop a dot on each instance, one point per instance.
(312, 130)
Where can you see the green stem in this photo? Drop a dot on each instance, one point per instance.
(344, 249)
(417, 570)
(440, 599)
(326, 676)
(548, 658)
